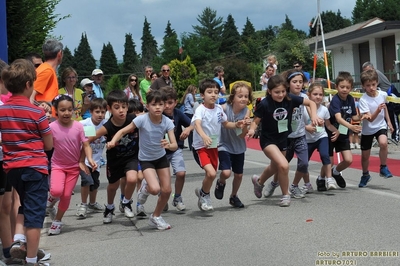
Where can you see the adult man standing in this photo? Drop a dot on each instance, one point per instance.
(46, 84)
(164, 81)
(219, 78)
(97, 77)
(269, 71)
(299, 67)
(145, 83)
(383, 82)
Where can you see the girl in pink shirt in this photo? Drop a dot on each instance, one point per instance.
(68, 138)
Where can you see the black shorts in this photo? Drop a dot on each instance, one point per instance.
(339, 146)
(280, 143)
(366, 140)
(117, 172)
(156, 164)
(4, 185)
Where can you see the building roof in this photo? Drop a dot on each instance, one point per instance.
(357, 33)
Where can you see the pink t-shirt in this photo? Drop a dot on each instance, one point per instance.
(67, 144)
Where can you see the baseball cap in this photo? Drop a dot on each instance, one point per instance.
(86, 81)
(96, 72)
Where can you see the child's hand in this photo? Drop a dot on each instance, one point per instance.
(46, 107)
(164, 143)
(250, 134)
(335, 135)
(247, 121)
(110, 145)
(355, 128)
(366, 116)
(315, 121)
(93, 164)
(240, 123)
(84, 168)
(321, 122)
(382, 106)
(184, 134)
(311, 129)
(207, 141)
(390, 127)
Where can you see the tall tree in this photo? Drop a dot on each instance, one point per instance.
(331, 21)
(170, 46)
(248, 29)
(384, 9)
(29, 23)
(210, 25)
(250, 44)
(83, 57)
(108, 61)
(149, 45)
(130, 58)
(230, 37)
(68, 61)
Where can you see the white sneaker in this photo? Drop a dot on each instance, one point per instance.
(55, 228)
(140, 212)
(142, 193)
(95, 207)
(107, 216)
(82, 211)
(204, 203)
(330, 183)
(128, 210)
(296, 192)
(269, 190)
(352, 146)
(158, 222)
(285, 201)
(357, 146)
(178, 204)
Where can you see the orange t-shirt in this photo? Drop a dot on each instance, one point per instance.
(46, 84)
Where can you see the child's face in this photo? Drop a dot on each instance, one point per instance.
(64, 111)
(169, 107)
(343, 88)
(278, 93)
(296, 85)
(241, 98)
(317, 95)
(98, 115)
(271, 60)
(118, 110)
(210, 96)
(156, 108)
(370, 87)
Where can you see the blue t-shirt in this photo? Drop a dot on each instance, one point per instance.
(347, 109)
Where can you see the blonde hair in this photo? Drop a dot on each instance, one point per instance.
(273, 58)
(236, 87)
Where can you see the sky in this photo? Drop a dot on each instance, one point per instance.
(109, 21)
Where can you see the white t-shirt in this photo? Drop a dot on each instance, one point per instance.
(370, 104)
(323, 113)
(211, 120)
(98, 145)
(150, 135)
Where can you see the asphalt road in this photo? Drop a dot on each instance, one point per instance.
(340, 227)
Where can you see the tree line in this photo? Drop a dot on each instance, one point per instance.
(193, 55)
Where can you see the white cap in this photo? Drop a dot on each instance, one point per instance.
(96, 72)
(86, 81)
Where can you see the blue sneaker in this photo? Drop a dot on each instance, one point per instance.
(364, 180)
(384, 172)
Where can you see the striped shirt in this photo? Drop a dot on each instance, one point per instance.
(23, 126)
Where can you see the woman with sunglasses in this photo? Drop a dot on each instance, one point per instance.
(132, 90)
(69, 78)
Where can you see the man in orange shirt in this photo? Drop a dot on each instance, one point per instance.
(46, 84)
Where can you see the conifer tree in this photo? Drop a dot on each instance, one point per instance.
(108, 61)
(230, 37)
(149, 45)
(130, 58)
(83, 58)
(170, 47)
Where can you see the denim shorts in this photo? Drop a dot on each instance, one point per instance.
(91, 179)
(32, 187)
(176, 161)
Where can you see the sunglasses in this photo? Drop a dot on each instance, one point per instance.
(165, 70)
(133, 80)
(296, 66)
(37, 65)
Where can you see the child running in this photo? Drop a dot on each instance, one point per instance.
(232, 145)
(317, 138)
(207, 121)
(376, 120)
(152, 156)
(122, 162)
(342, 110)
(90, 182)
(275, 112)
(68, 138)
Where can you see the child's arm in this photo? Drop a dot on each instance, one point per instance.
(247, 123)
(122, 132)
(388, 120)
(315, 120)
(355, 128)
(206, 139)
(172, 145)
(381, 107)
(233, 125)
(331, 128)
(99, 133)
(88, 152)
(186, 132)
(48, 142)
(253, 126)
(82, 164)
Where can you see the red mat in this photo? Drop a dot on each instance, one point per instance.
(374, 162)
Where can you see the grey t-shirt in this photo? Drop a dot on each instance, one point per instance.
(151, 135)
(229, 140)
(383, 81)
